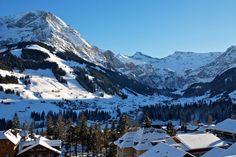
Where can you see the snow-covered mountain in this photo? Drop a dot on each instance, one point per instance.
(44, 61)
(180, 62)
(167, 72)
(178, 70)
(46, 27)
(219, 65)
(223, 84)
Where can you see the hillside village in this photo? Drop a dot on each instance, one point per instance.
(188, 140)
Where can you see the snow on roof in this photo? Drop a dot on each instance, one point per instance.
(231, 151)
(199, 141)
(15, 139)
(228, 125)
(43, 142)
(203, 128)
(127, 140)
(141, 139)
(214, 152)
(192, 127)
(163, 150)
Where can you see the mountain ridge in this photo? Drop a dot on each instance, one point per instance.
(52, 62)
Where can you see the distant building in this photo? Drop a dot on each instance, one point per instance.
(196, 143)
(40, 147)
(225, 129)
(164, 150)
(9, 141)
(133, 144)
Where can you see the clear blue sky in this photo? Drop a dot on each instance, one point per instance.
(154, 27)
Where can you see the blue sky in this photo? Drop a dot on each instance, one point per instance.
(154, 27)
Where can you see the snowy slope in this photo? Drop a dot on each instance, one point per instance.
(45, 92)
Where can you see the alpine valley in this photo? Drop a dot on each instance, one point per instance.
(45, 65)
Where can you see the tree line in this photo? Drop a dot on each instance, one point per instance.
(199, 111)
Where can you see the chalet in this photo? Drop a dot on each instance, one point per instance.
(225, 129)
(9, 142)
(196, 143)
(164, 150)
(40, 147)
(133, 144)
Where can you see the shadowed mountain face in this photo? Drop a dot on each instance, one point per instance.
(222, 84)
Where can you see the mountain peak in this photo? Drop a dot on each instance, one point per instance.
(140, 55)
(40, 17)
(46, 27)
(231, 48)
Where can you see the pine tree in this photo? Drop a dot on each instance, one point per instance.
(25, 126)
(106, 139)
(49, 125)
(96, 140)
(123, 125)
(24, 130)
(90, 142)
(15, 122)
(71, 138)
(147, 122)
(83, 131)
(68, 135)
(43, 116)
(112, 137)
(113, 126)
(60, 129)
(170, 129)
(32, 130)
